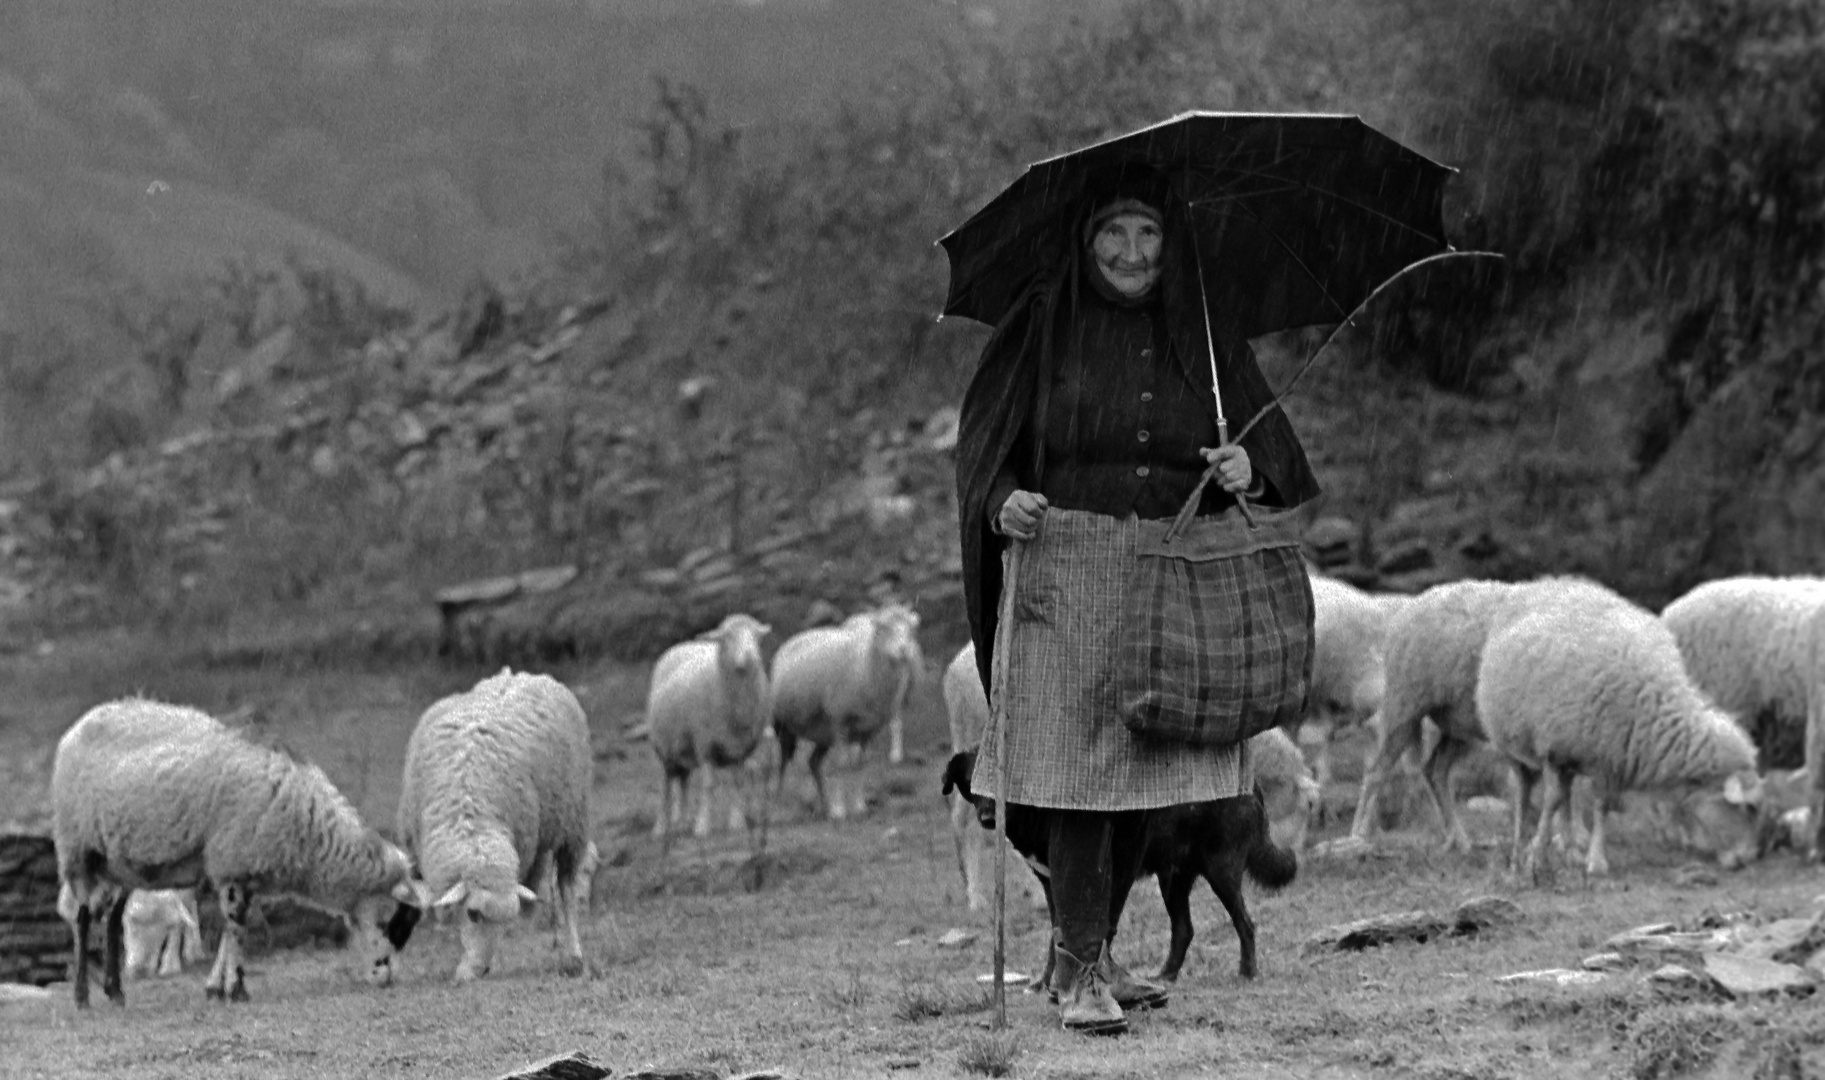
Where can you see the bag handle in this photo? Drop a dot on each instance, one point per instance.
(1190, 509)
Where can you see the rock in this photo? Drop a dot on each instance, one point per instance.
(1486, 804)
(1673, 976)
(681, 1073)
(1695, 877)
(1341, 847)
(1480, 547)
(1332, 541)
(1556, 976)
(1377, 930)
(955, 938)
(1604, 961)
(1407, 558)
(1745, 976)
(1484, 912)
(1789, 941)
(575, 1065)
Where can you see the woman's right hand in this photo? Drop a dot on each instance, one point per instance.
(1021, 514)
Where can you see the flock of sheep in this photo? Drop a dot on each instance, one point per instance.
(1562, 677)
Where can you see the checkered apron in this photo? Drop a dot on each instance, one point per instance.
(1067, 744)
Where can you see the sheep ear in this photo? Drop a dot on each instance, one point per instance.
(1739, 792)
(454, 896)
(526, 894)
(414, 893)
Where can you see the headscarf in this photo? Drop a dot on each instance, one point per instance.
(1007, 387)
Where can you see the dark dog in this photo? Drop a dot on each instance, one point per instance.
(1218, 841)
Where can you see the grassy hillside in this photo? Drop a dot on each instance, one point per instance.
(729, 391)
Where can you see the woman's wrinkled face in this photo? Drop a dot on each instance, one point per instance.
(1127, 250)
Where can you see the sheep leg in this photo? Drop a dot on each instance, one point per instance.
(228, 958)
(79, 965)
(662, 821)
(1595, 860)
(706, 798)
(1552, 789)
(1175, 891)
(967, 836)
(1815, 771)
(569, 898)
(825, 807)
(1323, 773)
(896, 739)
(1391, 741)
(113, 946)
(1524, 780)
(788, 745)
(1444, 758)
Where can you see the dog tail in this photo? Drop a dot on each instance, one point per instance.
(1272, 866)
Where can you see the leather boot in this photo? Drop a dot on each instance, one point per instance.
(1131, 991)
(1083, 994)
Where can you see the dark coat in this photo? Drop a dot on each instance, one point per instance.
(1001, 397)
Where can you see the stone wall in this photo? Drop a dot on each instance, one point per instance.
(35, 942)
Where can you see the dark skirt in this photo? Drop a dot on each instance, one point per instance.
(1067, 745)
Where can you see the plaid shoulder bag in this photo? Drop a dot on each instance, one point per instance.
(1215, 639)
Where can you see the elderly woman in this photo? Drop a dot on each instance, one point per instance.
(1091, 410)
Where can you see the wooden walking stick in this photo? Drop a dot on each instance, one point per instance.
(999, 678)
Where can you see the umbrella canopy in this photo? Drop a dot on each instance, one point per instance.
(1296, 218)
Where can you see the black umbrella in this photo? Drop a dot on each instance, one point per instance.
(1297, 217)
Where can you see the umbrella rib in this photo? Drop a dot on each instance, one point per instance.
(1310, 274)
(1326, 192)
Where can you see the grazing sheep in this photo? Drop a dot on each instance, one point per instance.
(147, 795)
(1434, 648)
(496, 784)
(968, 707)
(1744, 641)
(836, 687)
(1349, 645)
(709, 707)
(1290, 792)
(1219, 841)
(1595, 686)
(162, 932)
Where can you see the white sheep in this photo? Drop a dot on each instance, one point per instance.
(838, 686)
(147, 795)
(1349, 647)
(710, 704)
(496, 783)
(968, 708)
(1744, 641)
(1593, 685)
(162, 931)
(1434, 647)
(1291, 793)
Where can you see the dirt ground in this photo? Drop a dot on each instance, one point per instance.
(830, 964)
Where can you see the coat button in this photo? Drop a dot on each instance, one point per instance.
(1146, 395)
(1143, 436)
(1141, 471)
(1145, 353)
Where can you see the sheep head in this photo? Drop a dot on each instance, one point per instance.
(381, 922)
(737, 641)
(896, 635)
(485, 912)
